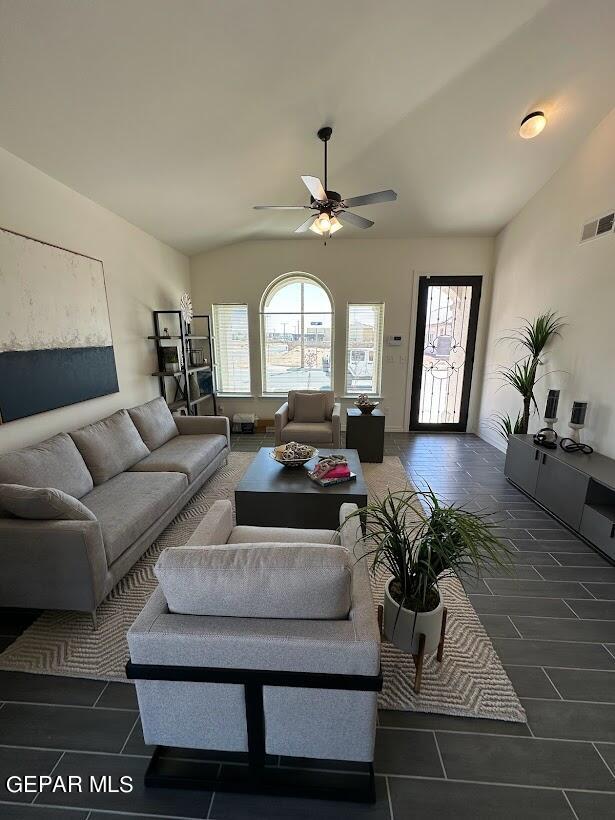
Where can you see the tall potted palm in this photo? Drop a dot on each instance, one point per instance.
(522, 376)
(419, 540)
(536, 334)
(533, 336)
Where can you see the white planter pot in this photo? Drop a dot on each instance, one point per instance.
(403, 626)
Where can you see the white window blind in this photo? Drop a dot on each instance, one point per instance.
(364, 330)
(232, 349)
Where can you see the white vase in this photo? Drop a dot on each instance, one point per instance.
(404, 626)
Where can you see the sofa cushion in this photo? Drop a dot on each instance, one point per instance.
(321, 433)
(310, 581)
(245, 534)
(183, 454)
(155, 422)
(55, 463)
(329, 401)
(110, 446)
(309, 407)
(42, 503)
(129, 503)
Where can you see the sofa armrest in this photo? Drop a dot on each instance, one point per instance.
(350, 528)
(52, 564)
(342, 647)
(197, 425)
(351, 537)
(281, 420)
(336, 423)
(216, 526)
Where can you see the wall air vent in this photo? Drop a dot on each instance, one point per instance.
(605, 224)
(598, 227)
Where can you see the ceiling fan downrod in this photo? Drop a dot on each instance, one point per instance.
(324, 134)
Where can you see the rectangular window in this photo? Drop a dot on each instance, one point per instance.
(364, 330)
(231, 349)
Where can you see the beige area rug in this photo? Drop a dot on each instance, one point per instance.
(469, 682)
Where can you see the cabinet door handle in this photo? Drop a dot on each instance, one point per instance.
(536, 455)
(612, 531)
(544, 458)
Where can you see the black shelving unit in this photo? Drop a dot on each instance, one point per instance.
(179, 381)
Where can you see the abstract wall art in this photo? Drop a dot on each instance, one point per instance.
(55, 335)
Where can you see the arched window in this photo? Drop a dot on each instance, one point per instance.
(296, 335)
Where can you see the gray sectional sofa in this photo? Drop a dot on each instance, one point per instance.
(77, 510)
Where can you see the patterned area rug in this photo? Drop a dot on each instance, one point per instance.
(469, 682)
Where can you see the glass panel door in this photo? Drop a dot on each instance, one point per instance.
(444, 351)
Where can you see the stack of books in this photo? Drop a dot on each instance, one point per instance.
(330, 470)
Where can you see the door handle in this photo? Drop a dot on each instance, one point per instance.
(544, 458)
(536, 455)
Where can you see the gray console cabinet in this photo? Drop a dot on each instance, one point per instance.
(598, 527)
(522, 463)
(561, 489)
(577, 489)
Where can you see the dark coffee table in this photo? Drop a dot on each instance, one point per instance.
(270, 495)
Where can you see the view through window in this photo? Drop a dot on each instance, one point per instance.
(364, 348)
(297, 321)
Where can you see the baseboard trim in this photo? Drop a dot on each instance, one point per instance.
(386, 430)
(493, 439)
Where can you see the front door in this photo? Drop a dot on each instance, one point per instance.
(446, 324)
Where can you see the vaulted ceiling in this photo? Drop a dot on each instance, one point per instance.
(180, 115)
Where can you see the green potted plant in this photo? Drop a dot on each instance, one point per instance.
(420, 540)
(504, 425)
(533, 337)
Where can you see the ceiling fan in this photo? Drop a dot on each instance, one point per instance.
(330, 210)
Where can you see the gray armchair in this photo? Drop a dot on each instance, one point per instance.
(311, 417)
(262, 666)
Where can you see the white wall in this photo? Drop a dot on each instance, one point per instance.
(141, 274)
(355, 270)
(540, 266)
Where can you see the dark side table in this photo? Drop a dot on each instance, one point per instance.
(365, 433)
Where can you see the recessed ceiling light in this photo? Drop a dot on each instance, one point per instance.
(532, 125)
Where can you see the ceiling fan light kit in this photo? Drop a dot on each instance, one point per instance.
(323, 225)
(331, 212)
(335, 225)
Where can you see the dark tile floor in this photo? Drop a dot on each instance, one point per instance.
(553, 626)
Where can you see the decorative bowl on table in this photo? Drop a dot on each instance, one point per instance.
(365, 404)
(293, 454)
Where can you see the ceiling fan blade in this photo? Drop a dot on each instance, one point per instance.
(353, 219)
(281, 207)
(305, 226)
(314, 186)
(371, 199)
